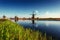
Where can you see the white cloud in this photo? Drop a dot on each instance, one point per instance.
(36, 11)
(49, 15)
(46, 14)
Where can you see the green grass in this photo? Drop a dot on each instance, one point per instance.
(12, 31)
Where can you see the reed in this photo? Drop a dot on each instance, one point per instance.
(12, 31)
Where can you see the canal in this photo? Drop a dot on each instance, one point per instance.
(50, 27)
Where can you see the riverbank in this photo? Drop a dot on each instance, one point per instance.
(12, 31)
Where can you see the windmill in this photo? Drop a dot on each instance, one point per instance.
(33, 17)
(16, 18)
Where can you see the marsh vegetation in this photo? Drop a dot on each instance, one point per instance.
(12, 31)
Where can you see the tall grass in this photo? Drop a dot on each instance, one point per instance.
(13, 31)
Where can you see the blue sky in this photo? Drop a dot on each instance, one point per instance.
(24, 8)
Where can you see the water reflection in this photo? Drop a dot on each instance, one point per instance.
(50, 27)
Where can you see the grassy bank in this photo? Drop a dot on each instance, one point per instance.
(12, 31)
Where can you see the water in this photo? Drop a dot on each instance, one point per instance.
(50, 27)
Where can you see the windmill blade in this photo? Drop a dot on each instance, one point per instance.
(32, 14)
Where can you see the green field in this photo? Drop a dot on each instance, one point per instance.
(12, 31)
